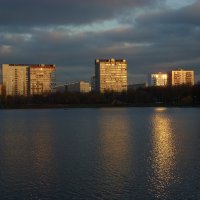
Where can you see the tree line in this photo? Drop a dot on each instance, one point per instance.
(183, 95)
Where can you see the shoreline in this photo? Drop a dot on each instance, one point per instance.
(67, 106)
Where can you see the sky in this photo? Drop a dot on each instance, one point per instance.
(152, 35)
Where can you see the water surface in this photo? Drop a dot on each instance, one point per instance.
(105, 153)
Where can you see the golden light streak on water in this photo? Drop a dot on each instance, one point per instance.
(115, 150)
(163, 153)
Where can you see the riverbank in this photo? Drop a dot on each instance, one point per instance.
(66, 106)
(180, 96)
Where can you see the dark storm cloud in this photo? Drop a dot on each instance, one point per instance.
(154, 41)
(175, 37)
(160, 40)
(61, 12)
(189, 15)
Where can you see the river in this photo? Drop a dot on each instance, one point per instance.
(100, 153)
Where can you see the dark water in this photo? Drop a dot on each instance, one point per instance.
(122, 153)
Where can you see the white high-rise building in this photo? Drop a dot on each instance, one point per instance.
(110, 75)
(158, 79)
(28, 79)
(181, 77)
(42, 79)
(15, 79)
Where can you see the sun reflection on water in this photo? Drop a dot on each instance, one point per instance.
(163, 153)
(160, 109)
(115, 151)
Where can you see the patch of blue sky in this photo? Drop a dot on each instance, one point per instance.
(94, 27)
(176, 4)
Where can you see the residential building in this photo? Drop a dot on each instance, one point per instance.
(42, 79)
(28, 79)
(80, 86)
(110, 75)
(158, 79)
(181, 77)
(15, 79)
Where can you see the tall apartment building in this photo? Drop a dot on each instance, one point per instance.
(158, 79)
(15, 78)
(80, 86)
(42, 79)
(110, 75)
(180, 77)
(26, 79)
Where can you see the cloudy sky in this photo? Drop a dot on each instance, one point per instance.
(153, 35)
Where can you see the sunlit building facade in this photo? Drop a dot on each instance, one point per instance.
(28, 79)
(181, 77)
(158, 79)
(81, 86)
(110, 75)
(42, 79)
(15, 79)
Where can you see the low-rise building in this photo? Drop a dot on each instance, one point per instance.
(81, 86)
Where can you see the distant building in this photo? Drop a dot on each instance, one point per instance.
(110, 75)
(61, 88)
(28, 79)
(157, 79)
(92, 82)
(1, 89)
(15, 79)
(137, 86)
(80, 86)
(180, 77)
(42, 79)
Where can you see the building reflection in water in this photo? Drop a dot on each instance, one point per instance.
(43, 154)
(27, 155)
(163, 153)
(114, 150)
